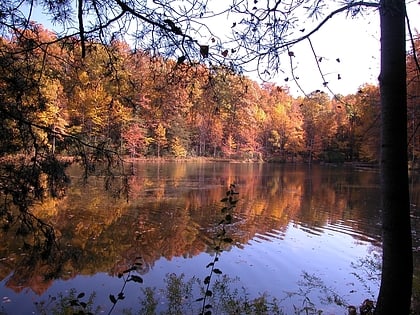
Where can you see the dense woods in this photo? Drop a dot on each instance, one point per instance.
(137, 104)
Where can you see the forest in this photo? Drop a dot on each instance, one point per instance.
(138, 104)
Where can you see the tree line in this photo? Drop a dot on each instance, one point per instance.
(135, 103)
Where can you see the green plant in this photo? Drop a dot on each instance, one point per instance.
(230, 202)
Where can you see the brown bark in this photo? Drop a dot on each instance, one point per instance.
(397, 262)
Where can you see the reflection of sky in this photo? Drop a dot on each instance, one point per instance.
(268, 263)
(276, 266)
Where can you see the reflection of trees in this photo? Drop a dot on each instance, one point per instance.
(101, 233)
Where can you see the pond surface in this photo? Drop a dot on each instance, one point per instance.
(299, 234)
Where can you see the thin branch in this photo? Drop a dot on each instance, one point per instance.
(295, 79)
(81, 28)
(413, 44)
(328, 17)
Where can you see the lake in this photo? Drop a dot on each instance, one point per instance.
(300, 234)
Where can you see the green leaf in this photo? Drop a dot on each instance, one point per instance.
(113, 299)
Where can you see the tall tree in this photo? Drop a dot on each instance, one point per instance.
(397, 262)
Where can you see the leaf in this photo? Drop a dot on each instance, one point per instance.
(204, 51)
(208, 306)
(224, 209)
(82, 294)
(233, 25)
(136, 279)
(112, 298)
(121, 296)
(209, 293)
(83, 304)
(181, 59)
(210, 264)
(224, 200)
(291, 54)
(227, 240)
(228, 218)
(217, 271)
(207, 313)
(225, 53)
(207, 280)
(199, 299)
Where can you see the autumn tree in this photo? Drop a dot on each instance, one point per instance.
(413, 97)
(316, 118)
(160, 139)
(135, 139)
(362, 124)
(282, 132)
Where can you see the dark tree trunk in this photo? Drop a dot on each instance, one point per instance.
(397, 262)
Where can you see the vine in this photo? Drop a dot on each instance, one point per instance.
(230, 202)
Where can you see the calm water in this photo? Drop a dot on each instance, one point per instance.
(291, 224)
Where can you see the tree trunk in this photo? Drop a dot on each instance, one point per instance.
(397, 262)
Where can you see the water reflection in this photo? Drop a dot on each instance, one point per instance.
(172, 212)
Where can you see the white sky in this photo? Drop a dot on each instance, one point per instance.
(354, 41)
